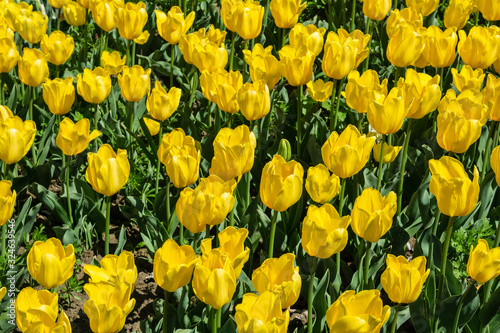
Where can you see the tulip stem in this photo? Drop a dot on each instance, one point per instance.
(395, 320)
(214, 320)
(2, 96)
(158, 162)
(108, 216)
(310, 296)
(341, 196)
(245, 65)
(4, 240)
(85, 38)
(366, 264)
(207, 231)
(65, 167)
(353, 14)
(165, 311)
(459, 309)
(343, 10)
(488, 149)
(332, 103)
(59, 19)
(300, 91)
(231, 217)
(403, 165)
(233, 38)
(444, 255)
(167, 204)
(172, 56)
(368, 32)
(396, 76)
(381, 163)
(271, 236)
(337, 103)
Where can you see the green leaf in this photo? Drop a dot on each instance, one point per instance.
(51, 201)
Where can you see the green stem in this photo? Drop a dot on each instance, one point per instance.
(30, 111)
(444, 255)
(381, 163)
(395, 4)
(396, 76)
(245, 65)
(366, 264)
(310, 296)
(96, 122)
(165, 311)
(68, 199)
(132, 54)
(459, 309)
(2, 95)
(167, 204)
(108, 216)
(128, 52)
(131, 116)
(207, 231)
(353, 14)
(85, 37)
(181, 234)
(300, 91)
(441, 78)
(488, 149)
(368, 32)
(231, 56)
(158, 162)
(271, 236)
(337, 103)
(59, 19)
(231, 217)
(395, 321)
(172, 56)
(283, 37)
(214, 320)
(332, 106)
(341, 196)
(403, 165)
(4, 240)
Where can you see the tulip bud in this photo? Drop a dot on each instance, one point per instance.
(160, 104)
(387, 113)
(173, 25)
(483, 264)
(131, 19)
(16, 138)
(285, 149)
(376, 9)
(107, 171)
(9, 56)
(134, 83)
(390, 152)
(480, 48)
(309, 35)
(286, 12)
(75, 14)
(248, 18)
(399, 18)
(254, 100)
(113, 62)
(339, 58)
(422, 93)
(321, 186)
(359, 89)
(495, 163)
(406, 46)
(31, 26)
(425, 7)
(73, 138)
(3, 292)
(7, 202)
(59, 95)
(94, 85)
(33, 68)
(457, 13)
(360, 39)
(296, 65)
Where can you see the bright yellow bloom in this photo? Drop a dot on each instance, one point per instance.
(134, 83)
(254, 100)
(234, 152)
(339, 58)
(174, 265)
(227, 12)
(359, 89)
(209, 57)
(286, 12)
(114, 269)
(280, 276)
(94, 85)
(160, 104)
(16, 11)
(104, 13)
(50, 263)
(468, 78)
(491, 95)
(59, 95)
(31, 26)
(495, 163)
(58, 47)
(390, 152)
(321, 186)
(181, 155)
(406, 46)
(113, 62)
(403, 280)
(387, 113)
(5, 113)
(131, 19)
(484, 263)
(361, 312)
(309, 35)
(376, 9)
(33, 68)
(7, 202)
(9, 56)
(324, 232)
(5, 30)
(248, 18)
(457, 13)
(107, 171)
(32, 304)
(75, 14)
(422, 93)
(58, 3)
(480, 48)
(281, 183)
(456, 194)
(143, 38)
(173, 25)
(16, 138)
(440, 47)
(84, 3)
(152, 125)
(489, 8)
(261, 314)
(73, 138)
(214, 281)
(297, 64)
(425, 7)
(360, 38)
(3, 292)
(227, 87)
(263, 65)
(208, 204)
(188, 42)
(399, 18)
(319, 90)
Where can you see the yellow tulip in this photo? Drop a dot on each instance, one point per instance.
(296, 64)
(7, 202)
(248, 18)
(372, 214)
(84, 3)
(387, 113)
(261, 314)
(440, 47)
(361, 312)
(208, 204)
(309, 35)
(59, 95)
(31, 26)
(173, 25)
(227, 12)
(188, 42)
(209, 83)
(484, 263)
(399, 18)
(376, 9)
(234, 152)
(9, 56)
(232, 245)
(489, 8)
(422, 93)
(495, 163)
(319, 90)
(94, 85)
(339, 58)
(32, 304)
(209, 57)
(324, 232)
(214, 281)
(33, 68)
(359, 89)
(425, 8)
(281, 183)
(5, 30)
(468, 78)
(114, 269)
(73, 138)
(75, 14)
(491, 95)
(104, 13)
(321, 186)
(254, 100)
(113, 62)
(228, 85)
(5, 113)
(51, 264)
(406, 46)
(152, 125)
(263, 65)
(403, 280)
(3, 292)
(173, 265)
(107, 171)
(280, 276)
(457, 13)
(286, 12)
(58, 3)
(390, 152)
(361, 40)
(16, 11)
(131, 19)
(143, 38)
(160, 104)
(45, 323)
(108, 306)
(134, 83)
(480, 48)
(16, 138)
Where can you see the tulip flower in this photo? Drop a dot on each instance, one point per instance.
(248, 18)
(491, 95)
(234, 152)
(3, 292)
(113, 62)
(84, 3)
(58, 3)
(261, 312)
(360, 39)
(495, 163)
(346, 154)
(321, 186)
(32, 304)
(59, 95)
(143, 38)
(227, 88)
(425, 8)
(456, 194)
(173, 25)
(58, 47)
(114, 269)
(174, 265)
(359, 89)
(339, 58)
(440, 47)
(7, 202)
(16, 138)
(6, 31)
(131, 19)
(51, 264)
(457, 13)
(214, 281)
(387, 113)
(468, 78)
(31, 26)
(227, 12)
(376, 9)
(107, 171)
(108, 306)
(152, 125)
(134, 83)
(33, 68)
(319, 90)
(309, 35)
(484, 263)
(390, 152)
(208, 204)
(286, 12)
(324, 232)
(281, 183)
(75, 14)
(358, 312)
(280, 276)
(422, 93)
(297, 64)
(254, 100)
(5, 113)
(232, 245)
(73, 138)
(189, 41)
(480, 48)
(16, 11)
(489, 8)
(406, 46)
(104, 13)
(94, 85)
(209, 57)
(403, 280)
(160, 104)
(398, 18)
(263, 65)
(181, 155)
(9, 56)
(209, 83)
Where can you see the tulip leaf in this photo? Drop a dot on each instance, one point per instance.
(320, 303)
(420, 315)
(229, 326)
(447, 309)
(50, 200)
(25, 220)
(122, 238)
(489, 314)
